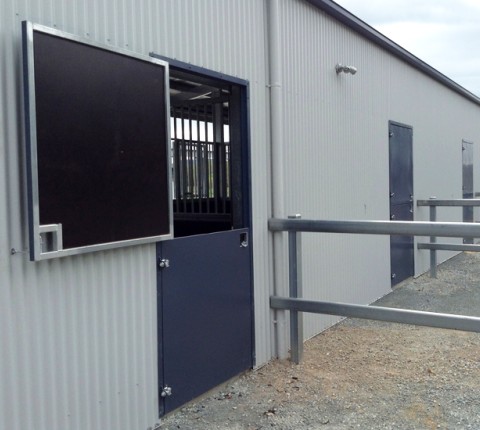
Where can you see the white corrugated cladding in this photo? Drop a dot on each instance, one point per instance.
(336, 137)
(78, 335)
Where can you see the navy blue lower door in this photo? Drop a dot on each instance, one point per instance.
(401, 247)
(204, 313)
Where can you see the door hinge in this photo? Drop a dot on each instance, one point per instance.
(166, 391)
(163, 263)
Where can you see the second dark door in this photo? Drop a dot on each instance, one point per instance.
(401, 199)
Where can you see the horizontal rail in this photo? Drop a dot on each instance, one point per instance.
(452, 202)
(403, 316)
(403, 228)
(294, 226)
(449, 247)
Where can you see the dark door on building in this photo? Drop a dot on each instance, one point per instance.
(401, 199)
(206, 314)
(204, 281)
(467, 182)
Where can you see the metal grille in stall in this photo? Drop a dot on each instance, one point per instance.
(201, 161)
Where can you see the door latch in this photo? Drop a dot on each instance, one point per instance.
(163, 263)
(166, 391)
(244, 240)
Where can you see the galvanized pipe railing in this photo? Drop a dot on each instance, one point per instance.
(399, 228)
(295, 304)
(433, 246)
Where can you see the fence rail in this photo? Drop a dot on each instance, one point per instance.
(449, 247)
(295, 303)
(405, 228)
(433, 246)
(452, 202)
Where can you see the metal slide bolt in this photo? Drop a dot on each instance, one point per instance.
(392, 216)
(163, 263)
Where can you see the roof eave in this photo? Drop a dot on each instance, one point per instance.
(359, 26)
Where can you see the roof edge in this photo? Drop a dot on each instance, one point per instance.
(347, 18)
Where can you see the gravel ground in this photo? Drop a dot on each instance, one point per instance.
(365, 374)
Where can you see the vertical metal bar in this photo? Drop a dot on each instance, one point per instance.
(223, 165)
(201, 167)
(295, 291)
(433, 239)
(224, 161)
(206, 155)
(199, 164)
(217, 136)
(176, 168)
(207, 158)
(184, 163)
(190, 171)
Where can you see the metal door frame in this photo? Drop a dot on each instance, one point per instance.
(244, 183)
(244, 97)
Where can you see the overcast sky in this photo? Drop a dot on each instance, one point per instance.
(443, 33)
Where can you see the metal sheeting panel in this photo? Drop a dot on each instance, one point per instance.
(78, 338)
(79, 342)
(228, 36)
(336, 134)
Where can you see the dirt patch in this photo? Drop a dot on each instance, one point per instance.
(365, 374)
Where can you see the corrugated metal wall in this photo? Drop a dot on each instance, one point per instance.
(78, 335)
(336, 133)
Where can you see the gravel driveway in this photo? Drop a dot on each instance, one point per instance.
(364, 374)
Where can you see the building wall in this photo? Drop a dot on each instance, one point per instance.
(78, 338)
(336, 134)
(78, 335)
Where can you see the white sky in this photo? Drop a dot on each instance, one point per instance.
(443, 33)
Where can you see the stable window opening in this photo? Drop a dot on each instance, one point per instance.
(206, 154)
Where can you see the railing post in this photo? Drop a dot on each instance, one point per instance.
(433, 239)
(295, 291)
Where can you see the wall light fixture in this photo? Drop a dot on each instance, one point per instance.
(339, 68)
